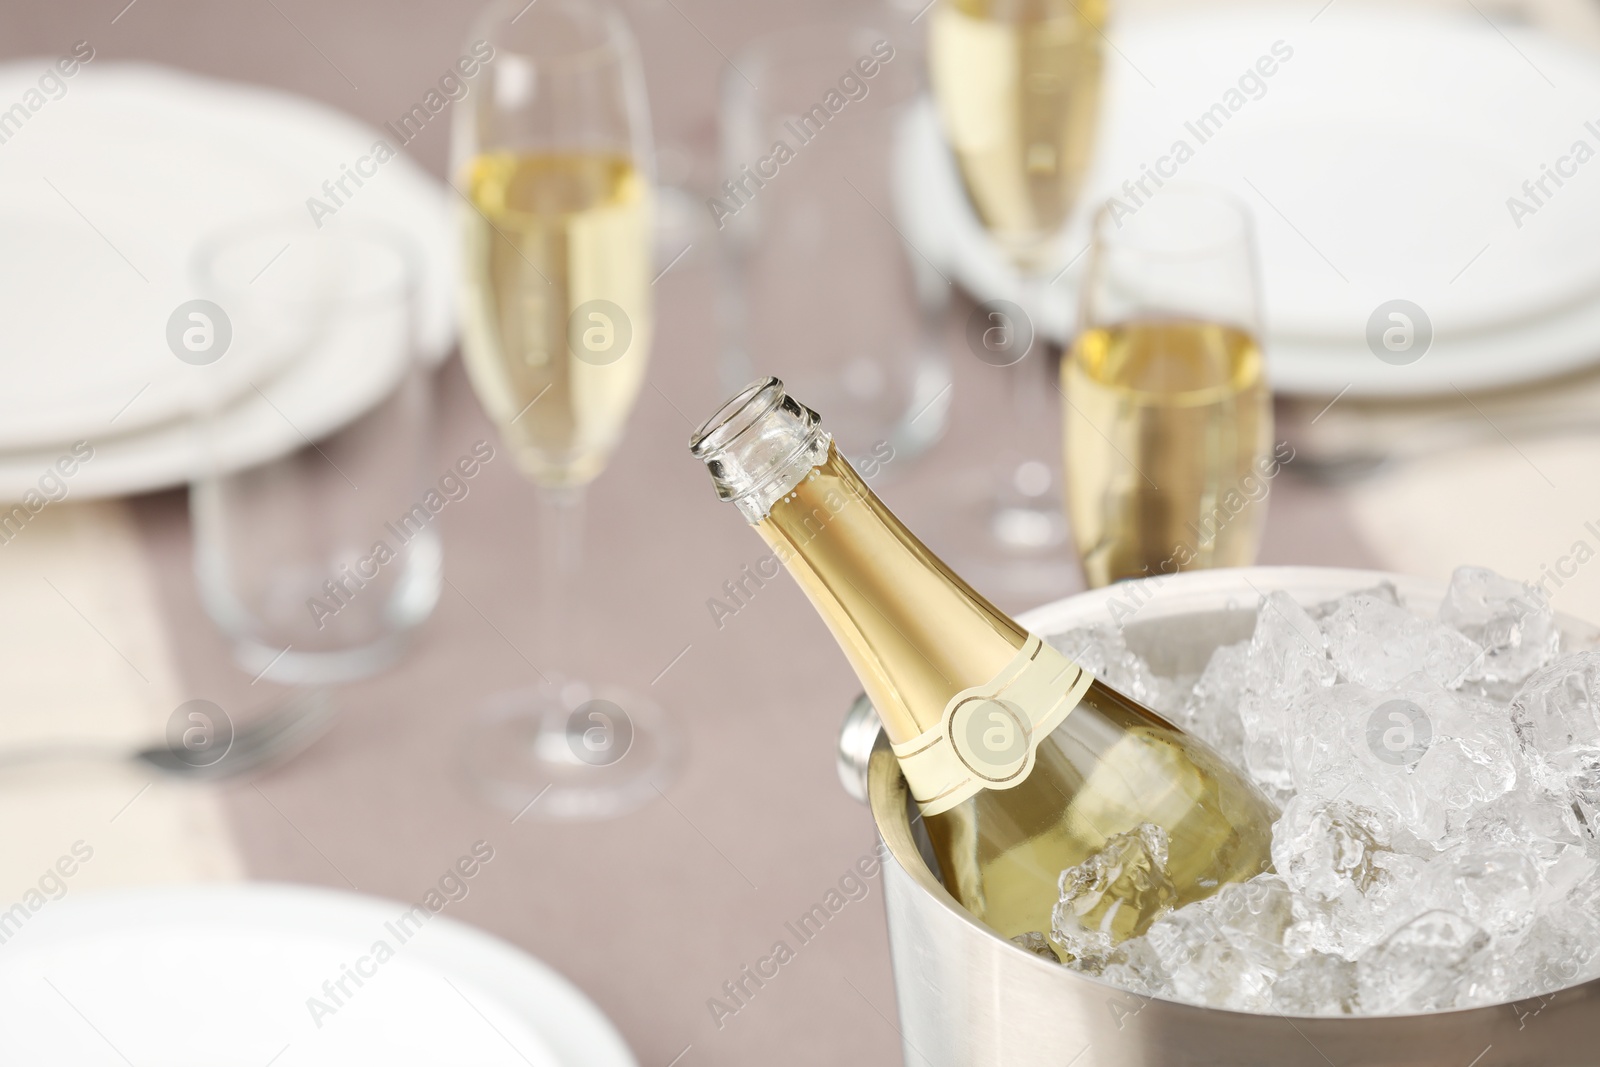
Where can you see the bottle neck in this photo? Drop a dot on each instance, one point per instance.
(914, 632)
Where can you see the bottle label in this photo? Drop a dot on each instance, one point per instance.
(989, 734)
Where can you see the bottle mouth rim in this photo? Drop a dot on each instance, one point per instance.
(759, 445)
(736, 417)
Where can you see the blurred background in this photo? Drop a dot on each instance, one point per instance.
(416, 608)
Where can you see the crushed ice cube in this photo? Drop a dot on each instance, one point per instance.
(1287, 661)
(1525, 817)
(1036, 943)
(1413, 753)
(1498, 887)
(1324, 850)
(1204, 966)
(1102, 652)
(1377, 644)
(1556, 715)
(1420, 967)
(1571, 868)
(1401, 887)
(1383, 591)
(1226, 950)
(1560, 948)
(1254, 916)
(1113, 893)
(1211, 711)
(1512, 622)
(1316, 984)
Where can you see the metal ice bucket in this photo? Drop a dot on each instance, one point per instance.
(969, 998)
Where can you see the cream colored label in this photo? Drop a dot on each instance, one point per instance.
(989, 734)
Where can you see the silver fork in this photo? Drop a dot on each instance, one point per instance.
(286, 731)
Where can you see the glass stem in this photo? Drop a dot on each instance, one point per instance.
(560, 558)
(1030, 388)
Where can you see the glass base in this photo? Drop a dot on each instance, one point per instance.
(287, 665)
(1028, 514)
(1014, 546)
(570, 751)
(1028, 527)
(679, 219)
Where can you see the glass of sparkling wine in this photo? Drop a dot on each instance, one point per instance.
(552, 158)
(1168, 421)
(1018, 88)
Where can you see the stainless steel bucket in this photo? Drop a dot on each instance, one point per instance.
(968, 998)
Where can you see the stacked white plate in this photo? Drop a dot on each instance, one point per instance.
(105, 193)
(242, 976)
(1378, 158)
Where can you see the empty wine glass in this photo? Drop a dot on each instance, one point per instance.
(311, 550)
(819, 287)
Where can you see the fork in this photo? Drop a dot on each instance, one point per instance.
(287, 731)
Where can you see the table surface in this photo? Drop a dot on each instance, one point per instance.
(649, 914)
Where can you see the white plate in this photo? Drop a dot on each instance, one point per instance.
(332, 380)
(1378, 161)
(105, 194)
(223, 976)
(341, 372)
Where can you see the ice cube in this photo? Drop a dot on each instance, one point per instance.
(1556, 715)
(1227, 950)
(1036, 943)
(1114, 893)
(1376, 644)
(1527, 817)
(1512, 622)
(1318, 984)
(1498, 887)
(1560, 948)
(1469, 760)
(1287, 661)
(1324, 849)
(1416, 754)
(1423, 966)
(1383, 591)
(1211, 711)
(1133, 965)
(1102, 652)
(1400, 887)
(1254, 916)
(1565, 875)
(1196, 963)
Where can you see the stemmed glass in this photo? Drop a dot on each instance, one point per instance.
(1018, 88)
(680, 212)
(876, 361)
(554, 164)
(1168, 423)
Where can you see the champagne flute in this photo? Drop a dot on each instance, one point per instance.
(1018, 88)
(553, 161)
(1168, 424)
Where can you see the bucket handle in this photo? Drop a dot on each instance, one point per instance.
(858, 736)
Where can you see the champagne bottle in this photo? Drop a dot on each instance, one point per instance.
(1022, 763)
